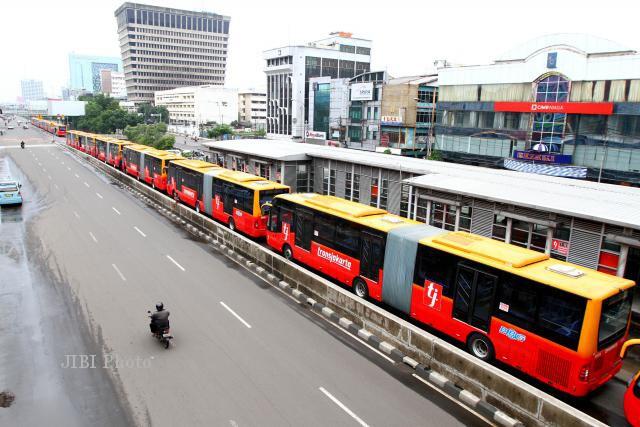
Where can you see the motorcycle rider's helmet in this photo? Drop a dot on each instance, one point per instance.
(159, 306)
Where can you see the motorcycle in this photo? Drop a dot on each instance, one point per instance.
(22, 144)
(164, 335)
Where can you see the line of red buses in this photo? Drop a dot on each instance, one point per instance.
(56, 128)
(557, 322)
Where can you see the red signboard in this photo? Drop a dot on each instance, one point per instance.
(604, 108)
(560, 246)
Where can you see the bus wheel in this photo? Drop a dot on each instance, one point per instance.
(232, 224)
(480, 346)
(287, 252)
(360, 288)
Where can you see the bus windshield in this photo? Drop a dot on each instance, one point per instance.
(614, 318)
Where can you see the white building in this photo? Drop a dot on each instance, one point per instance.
(288, 70)
(252, 109)
(128, 106)
(328, 107)
(32, 90)
(192, 106)
(113, 84)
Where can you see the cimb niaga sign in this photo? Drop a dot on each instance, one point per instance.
(603, 108)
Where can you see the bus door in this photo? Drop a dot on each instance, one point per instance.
(304, 229)
(371, 255)
(473, 301)
(228, 200)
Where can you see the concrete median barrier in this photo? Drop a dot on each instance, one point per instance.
(498, 396)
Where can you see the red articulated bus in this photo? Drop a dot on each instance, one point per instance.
(56, 128)
(559, 323)
(133, 159)
(114, 152)
(233, 198)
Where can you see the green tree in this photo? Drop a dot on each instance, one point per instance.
(149, 113)
(104, 115)
(219, 130)
(152, 135)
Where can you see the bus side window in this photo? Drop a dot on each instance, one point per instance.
(560, 317)
(517, 301)
(274, 219)
(435, 266)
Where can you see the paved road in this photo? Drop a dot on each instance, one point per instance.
(244, 354)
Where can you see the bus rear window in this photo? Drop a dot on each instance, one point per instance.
(266, 196)
(614, 318)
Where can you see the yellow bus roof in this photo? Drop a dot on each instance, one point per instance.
(533, 265)
(359, 213)
(164, 155)
(139, 147)
(196, 165)
(247, 180)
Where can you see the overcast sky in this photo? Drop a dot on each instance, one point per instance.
(407, 36)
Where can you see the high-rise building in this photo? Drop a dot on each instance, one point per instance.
(84, 71)
(289, 69)
(164, 48)
(113, 84)
(32, 90)
(252, 109)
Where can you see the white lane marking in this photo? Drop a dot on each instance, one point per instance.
(62, 163)
(86, 185)
(176, 263)
(116, 210)
(56, 185)
(76, 214)
(44, 170)
(343, 407)
(235, 314)
(462, 405)
(68, 168)
(93, 237)
(115, 267)
(77, 176)
(49, 176)
(99, 195)
(139, 231)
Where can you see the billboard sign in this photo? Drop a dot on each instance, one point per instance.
(362, 91)
(312, 134)
(65, 108)
(391, 120)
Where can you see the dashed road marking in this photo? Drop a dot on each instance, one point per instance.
(343, 407)
(115, 267)
(244, 322)
(99, 195)
(176, 263)
(139, 231)
(86, 184)
(93, 237)
(116, 210)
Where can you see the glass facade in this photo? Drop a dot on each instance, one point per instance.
(321, 107)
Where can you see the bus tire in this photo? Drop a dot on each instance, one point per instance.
(232, 224)
(480, 346)
(360, 288)
(287, 252)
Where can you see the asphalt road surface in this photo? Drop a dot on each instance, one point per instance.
(244, 354)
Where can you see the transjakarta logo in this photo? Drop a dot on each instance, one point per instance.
(334, 258)
(547, 107)
(432, 295)
(285, 231)
(512, 334)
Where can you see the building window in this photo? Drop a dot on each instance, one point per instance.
(329, 181)
(511, 120)
(302, 179)
(609, 257)
(548, 128)
(500, 223)
(263, 170)
(347, 186)
(355, 133)
(443, 216)
(404, 200)
(373, 201)
(384, 193)
(356, 188)
(422, 206)
(464, 224)
(520, 233)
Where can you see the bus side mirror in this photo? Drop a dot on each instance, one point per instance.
(265, 209)
(626, 345)
(19, 185)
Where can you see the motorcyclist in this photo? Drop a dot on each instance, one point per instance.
(159, 319)
(21, 144)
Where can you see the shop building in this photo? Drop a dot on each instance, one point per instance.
(562, 105)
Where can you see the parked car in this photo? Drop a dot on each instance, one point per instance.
(10, 192)
(24, 126)
(9, 127)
